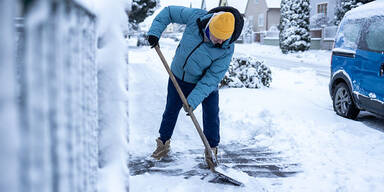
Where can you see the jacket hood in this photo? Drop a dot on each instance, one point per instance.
(239, 21)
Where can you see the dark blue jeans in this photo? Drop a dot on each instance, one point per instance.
(210, 105)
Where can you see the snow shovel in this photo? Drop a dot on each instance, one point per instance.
(218, 176)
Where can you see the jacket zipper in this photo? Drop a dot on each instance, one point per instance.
(185, 63)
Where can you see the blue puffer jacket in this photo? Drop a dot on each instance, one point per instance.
(197, 61)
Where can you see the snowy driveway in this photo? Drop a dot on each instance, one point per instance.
(318, 60)
(282, 138)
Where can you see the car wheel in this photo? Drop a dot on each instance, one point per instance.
(343, 103)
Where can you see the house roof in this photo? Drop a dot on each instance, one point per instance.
(273, 3)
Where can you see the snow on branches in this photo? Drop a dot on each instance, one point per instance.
(294, 26)
(247, 72)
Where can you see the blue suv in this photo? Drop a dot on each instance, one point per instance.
(357, 65)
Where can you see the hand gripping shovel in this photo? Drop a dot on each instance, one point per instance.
(218, 176)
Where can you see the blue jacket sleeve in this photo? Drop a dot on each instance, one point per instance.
(210, 80)
(172, 14)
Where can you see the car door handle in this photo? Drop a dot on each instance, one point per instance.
(344, 54)
(382, 70)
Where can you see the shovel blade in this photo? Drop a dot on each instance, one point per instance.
(224, 179)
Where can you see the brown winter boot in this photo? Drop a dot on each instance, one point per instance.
(161, 150)
(209, 161)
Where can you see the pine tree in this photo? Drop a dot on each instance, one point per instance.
(247, 32)
(346, 5)
(141, 9)
(294, 26)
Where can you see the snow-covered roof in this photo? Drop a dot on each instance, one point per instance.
(368, 10)
(273, 3)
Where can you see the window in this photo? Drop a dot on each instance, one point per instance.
(348, 36)
(374, 36)
(260, 20)
(322, 8)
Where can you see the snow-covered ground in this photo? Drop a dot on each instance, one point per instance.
(293, 119)
(315, 57)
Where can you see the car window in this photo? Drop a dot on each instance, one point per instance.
(375, 35)
(348, 36)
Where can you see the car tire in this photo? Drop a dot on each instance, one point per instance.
(343, 103)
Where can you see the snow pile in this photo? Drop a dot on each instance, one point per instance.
(247, 72)
(112, 93)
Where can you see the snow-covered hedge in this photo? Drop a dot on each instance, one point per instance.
(247, 72)
(63, 99)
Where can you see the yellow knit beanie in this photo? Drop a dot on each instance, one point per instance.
(222, 25)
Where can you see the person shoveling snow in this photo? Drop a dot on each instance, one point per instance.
(201, 61)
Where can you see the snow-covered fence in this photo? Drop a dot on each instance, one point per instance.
(50, 135)
(272, 34)
(328, 39)
(60, 102)
(270, 37)
(323, 37)
(9, 129)
(330, 32)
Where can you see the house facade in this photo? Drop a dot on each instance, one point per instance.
(324, 8)
(264, 14)
(322, 26)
